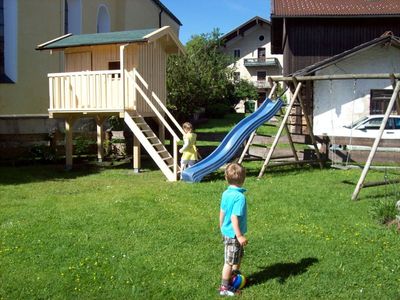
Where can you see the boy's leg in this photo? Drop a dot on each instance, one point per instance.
(231, 260)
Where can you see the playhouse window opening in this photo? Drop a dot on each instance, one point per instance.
(115, 65)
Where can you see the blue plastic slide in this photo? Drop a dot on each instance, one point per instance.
(232, 141)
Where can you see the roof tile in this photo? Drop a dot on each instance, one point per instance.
(292, 8)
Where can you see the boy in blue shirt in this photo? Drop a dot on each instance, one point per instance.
(233, 224)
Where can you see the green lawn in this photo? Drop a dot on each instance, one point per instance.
(107, 233)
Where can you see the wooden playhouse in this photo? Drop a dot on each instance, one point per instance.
(117, 73)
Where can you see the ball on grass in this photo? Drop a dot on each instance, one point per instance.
(238, 281)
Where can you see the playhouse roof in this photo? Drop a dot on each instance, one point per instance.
(107, 38)
(386, 39)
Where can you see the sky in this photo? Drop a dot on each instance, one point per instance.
(203, 16)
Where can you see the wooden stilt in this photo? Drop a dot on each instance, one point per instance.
(100, 137)
(136, 155)
(69, 122)
(376, 142)
(279, 133)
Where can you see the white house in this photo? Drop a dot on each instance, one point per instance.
(250, 45)
(341, 102)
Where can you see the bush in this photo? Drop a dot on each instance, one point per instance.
(218, 110)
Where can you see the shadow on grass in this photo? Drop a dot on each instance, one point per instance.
(281, 271)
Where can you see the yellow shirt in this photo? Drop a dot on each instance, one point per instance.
(189, 149)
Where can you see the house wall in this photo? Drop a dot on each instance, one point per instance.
(41, 20)
(309, 40)
(248, 44)
(340, 102)
(151, 63)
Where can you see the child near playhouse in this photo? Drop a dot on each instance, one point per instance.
(233, 224)
(189, 150)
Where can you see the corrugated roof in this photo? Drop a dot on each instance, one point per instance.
(117, 37)
(292, 8)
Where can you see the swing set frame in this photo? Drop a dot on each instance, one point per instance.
(298, 82)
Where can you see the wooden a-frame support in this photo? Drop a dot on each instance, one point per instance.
(285, 126)
(374, 148)
(395, 98)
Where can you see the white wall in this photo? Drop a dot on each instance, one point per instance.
(340, 102)
(248, 45)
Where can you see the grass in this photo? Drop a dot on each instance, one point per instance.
(107, 233)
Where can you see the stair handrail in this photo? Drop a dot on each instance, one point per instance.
(159, 102)
(150, 103)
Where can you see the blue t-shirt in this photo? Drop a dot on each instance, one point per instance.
(233, 202)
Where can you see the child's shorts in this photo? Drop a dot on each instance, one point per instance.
(233, 251)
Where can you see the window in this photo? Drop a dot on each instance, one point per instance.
(380, 101)
(374, 123)
(72, 16)
(103, 20)
(261, 76)
(396, 123)
(1, 38)
(261, 53)
(8, 41)
(261, 38)
(236, 53)
(115, 65)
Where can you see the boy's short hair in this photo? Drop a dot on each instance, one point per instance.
(235, 174)
(187, 126)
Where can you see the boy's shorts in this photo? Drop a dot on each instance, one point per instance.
(233, 251)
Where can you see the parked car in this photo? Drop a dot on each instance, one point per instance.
(368, 127)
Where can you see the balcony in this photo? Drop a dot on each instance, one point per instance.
(261, 62)
(262, 84)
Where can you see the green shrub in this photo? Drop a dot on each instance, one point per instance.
(218, 110)
(384, 211)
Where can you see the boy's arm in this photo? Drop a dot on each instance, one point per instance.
(221, 217)
(235, 223)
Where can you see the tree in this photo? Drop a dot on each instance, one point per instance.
(244, 90)
(200, 77)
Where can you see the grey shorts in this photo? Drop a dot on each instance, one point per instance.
(233, 251)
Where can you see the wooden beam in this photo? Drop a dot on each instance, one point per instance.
(310, 128)
(336, 77)
(376, 142)
(279, 133)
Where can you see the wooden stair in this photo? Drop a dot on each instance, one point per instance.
(150, 141)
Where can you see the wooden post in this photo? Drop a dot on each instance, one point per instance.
(69, 122)
(310, 129)
(136, 155)
(279, 133)
(100, 137)
(393, 80)
(250, 140)
(376, 142)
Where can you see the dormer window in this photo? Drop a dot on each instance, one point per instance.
(236, 53)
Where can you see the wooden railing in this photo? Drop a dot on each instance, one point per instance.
(159, 109)
(86, 91)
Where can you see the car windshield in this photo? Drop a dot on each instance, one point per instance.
(354, 124)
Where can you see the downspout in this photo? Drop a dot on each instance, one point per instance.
(160, 18)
